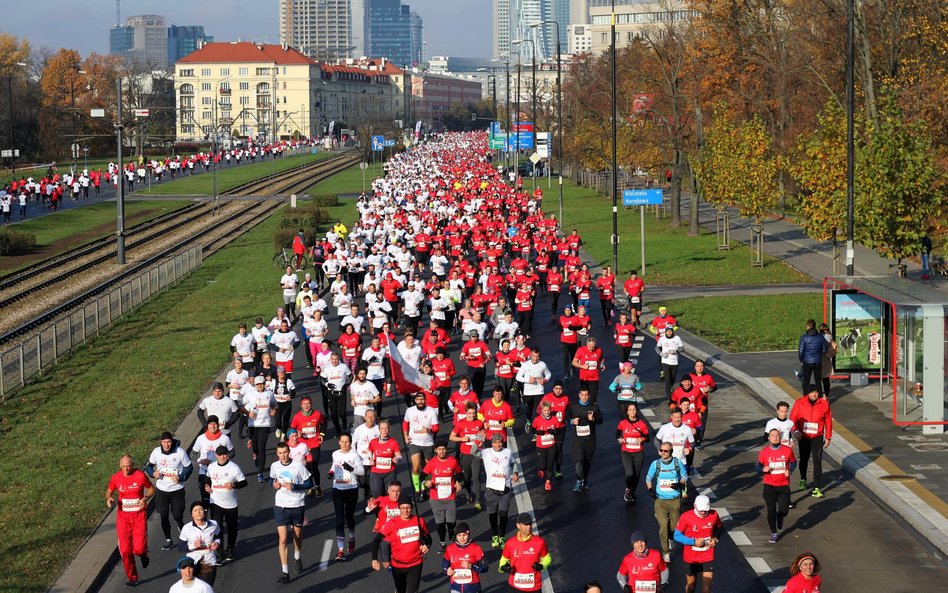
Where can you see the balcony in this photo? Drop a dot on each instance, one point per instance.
(225, 91)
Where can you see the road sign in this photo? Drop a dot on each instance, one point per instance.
(389, 143)
(378, 143)
(535, 158)
(544, 142)
(97, 112)
(141, 113)
(363, 165)
(642, 197)
(75, 150)
(498, 141)
(521, 136)
(495, 128)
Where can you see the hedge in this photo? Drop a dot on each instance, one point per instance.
(13, 242)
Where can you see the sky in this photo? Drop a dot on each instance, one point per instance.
(452, 27)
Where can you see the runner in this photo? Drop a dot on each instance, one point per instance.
(285, 341)
(813, 430)
(804, 575)
(290, 480)
(776, 462)
(583, 415)
(624, 335)
(259, 405)
(385, 455)
(559, 402)
(667, 482)
(668, 346)
(704, 383)
(362, 438)
(289, 282)
(189, 583)
(170, 466)
(224, 477)
(477, 354)
(469, 433)
(206, 446)
(590, 361)
(310, 423)
(626, 386)
(444, 480)
(497, 415)
(131, 522)
(678, 434)
(699, 531)
(632, 435)
(284, 390)
(642, 570)
(335, 376)
(201, 539)
(224, 409)
(525, 557)
(545, 425)
(634, 289)
(409, 539)
(463, 561)
(781, 423)
(533, 374)
(419, 429)
(344, 471)
(363, 396)
(502, 473)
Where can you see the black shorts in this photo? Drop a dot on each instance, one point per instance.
(696, 568)
(422, 256)
(292, 516)
(637, 306)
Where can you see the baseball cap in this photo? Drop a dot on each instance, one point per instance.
(259, 379)
(702, 503)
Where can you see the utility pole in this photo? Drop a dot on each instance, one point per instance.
(615, 158)
(120, 231)
(850, 142)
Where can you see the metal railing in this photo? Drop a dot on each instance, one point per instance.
(41, 348)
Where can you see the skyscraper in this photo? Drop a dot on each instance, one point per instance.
(389, 30)
(183, 40)
(503, 18)
(512, 20)
(143, 40)
(417, 38)
(321, 29)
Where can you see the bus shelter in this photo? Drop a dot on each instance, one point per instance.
(894, 331)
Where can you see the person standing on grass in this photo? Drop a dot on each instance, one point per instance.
(131, 521)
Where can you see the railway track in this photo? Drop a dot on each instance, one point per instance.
(296, 179)
(96, 275)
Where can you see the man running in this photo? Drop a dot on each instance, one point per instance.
(131, 522)
(584, 416)
(525, 557)
(224, 479)
(170, 466)
(699, 531)
(666, 481)
(290, 480)
(813, 430)
(419, 429)
(776, 462)
(409, 538)
(642, 570)
(444, 480)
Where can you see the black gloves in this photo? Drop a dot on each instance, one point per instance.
(347, 467)
(505, 568)
(537, 567)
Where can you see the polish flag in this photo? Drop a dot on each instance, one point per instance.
(407, 379)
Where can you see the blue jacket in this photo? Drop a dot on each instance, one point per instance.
(812, 347)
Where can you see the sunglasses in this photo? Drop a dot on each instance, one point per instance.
(664, 450)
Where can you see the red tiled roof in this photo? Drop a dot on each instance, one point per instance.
(245, 51)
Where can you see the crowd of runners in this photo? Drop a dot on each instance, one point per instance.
(449, 256)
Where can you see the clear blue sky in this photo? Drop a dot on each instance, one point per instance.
(452, 27)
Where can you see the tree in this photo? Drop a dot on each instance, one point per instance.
(900, 191)
(59, 83)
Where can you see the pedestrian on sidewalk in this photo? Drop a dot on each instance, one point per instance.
(926, 255)
(810, 351)
(826, 367)
(804, 575)
(813, 430)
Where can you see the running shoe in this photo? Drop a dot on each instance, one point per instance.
(494, 542)
(548, 486)
(558, 475)
(444, 546)
(261, 479)
(501, 540)
(627, 496)
(298, 565)
(131, 583)
(816, 493)
(803, 484)
(667, 558)
(340, 556)
(284, 578)
(319, 491)
(661, 374)
(578, 487)
(540, 474)
(145, 561)
(168, 545)
(352, 546)
(229, 554)
(477, 506)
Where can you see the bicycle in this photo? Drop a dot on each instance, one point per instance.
(282, 259)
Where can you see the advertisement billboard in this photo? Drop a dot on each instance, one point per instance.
(859, 329)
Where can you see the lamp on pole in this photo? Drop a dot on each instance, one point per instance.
(12, 125)
(850, 145)
(533, 93)
(506, 62)
(559, 110)
(119, 126)
(615, 159)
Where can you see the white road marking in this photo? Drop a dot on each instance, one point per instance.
(327, 552)
(709, 493)
(524, 502)
(648, 412)
(759, 565)
(722, 512)
(740, 538)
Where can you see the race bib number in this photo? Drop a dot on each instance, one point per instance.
(463, 576)
(408, 535)
(635, 299)
(778, 466)
(583, 430)
(392, 513)
(419, 429)
(591, 365)
(547, 440)
(343, 477)
(584, 295)
(309, 432)
(554, 288)
(131, 505)
(666, 485)
(811, 428)
(497, 482)
(350, 352)
(567, 332)
(475, 352)
(443, 488)
(646, 587)
(633, 443)
(441, 375)
(494, 424)
(703, 548)
(504, 369)
(623, 338)
(218, 484)
(383, 463)
(524, 580)
(678, 450)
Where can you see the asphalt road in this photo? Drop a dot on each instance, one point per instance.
(588, 533)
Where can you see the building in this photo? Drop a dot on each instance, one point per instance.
(183, 40)
(513, 20)
(579, 11)
(417, 39)
(500, 30)
(580, 39)
(322, 29)
(389, 30)
(633, 19)
(433, 96)
(143, 40)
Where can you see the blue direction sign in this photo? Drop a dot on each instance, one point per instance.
(642, 197)
(388, 143)
(378, 143)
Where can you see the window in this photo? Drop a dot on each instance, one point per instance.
(244, 86)
(284, 71)
(186, 72)
(605, 38)
(284, 85)
(187, 129)
(207, 115)
(206, 101)
(205, 71)
(205, 86)
(244, 71)
(225, 71)
(225, 87)
(245, 100)
(263, 72)
(225, 114)
(187, 89)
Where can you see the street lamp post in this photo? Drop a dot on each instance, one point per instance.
(615, 159)
(120, 230)
(850, 143)
(559, 110)
(506, 62)
(533, 93)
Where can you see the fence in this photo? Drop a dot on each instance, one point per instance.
(44, 345)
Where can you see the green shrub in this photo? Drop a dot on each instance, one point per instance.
(284, 237)
(13, 242)
(326, 201)
(305, 217)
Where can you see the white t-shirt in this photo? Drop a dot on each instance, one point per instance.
(362, 394)
(357, 322)
(260, 335)
(292, 473)
(299, 452)
(205, 447)
(498, 467)
(678, 437)
(343, 479)
(316, 329)
(375, 359)
(169, 465)
(289, 282)
(219, 476)
(361, 437)
(418, 421)
(235, 378)
(669, 349)
(335, 375)
(258, 405)
(538, 371)
(244, 345)
(197, 586)
(438, 307)
(506, 330)
(412, 300)
(285, 342)
(412, 356)
(224, 408)
(281, 393)
(207, 534)
(784, 426)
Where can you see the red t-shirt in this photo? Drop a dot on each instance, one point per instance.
(459, 401)
(442, 473)
(691, 525)
(624, 333)
(465, 429)
(558, 406)
(350, 344)
(384, 456)
(544, 428)
(644, 574)
(524, 300)
(589, 361)
(131, 489)
(778, 460)
(504, 365)
(494, 418)
(309, 427)
(522, 555)
(634, 287)
(455, 555)
(568, 328)
(799, 584)
(703, 383)
(405, 537)
(387, 510)
(443, 372)
(634, 435)
(475, 352)
(696, 398)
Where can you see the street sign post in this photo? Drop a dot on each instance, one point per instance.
(142, 113)
(544, 144)
(642, 198)
(363, 165)
(378, 143)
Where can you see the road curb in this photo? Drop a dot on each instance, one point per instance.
(896, 496)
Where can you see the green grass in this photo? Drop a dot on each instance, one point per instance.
(228, 179)
(672, 257)
(346, 182)
(748, 324)
(100, 403)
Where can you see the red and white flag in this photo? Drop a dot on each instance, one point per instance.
(407, 379)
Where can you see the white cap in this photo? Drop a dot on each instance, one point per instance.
(702, 503)
(259, 379)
